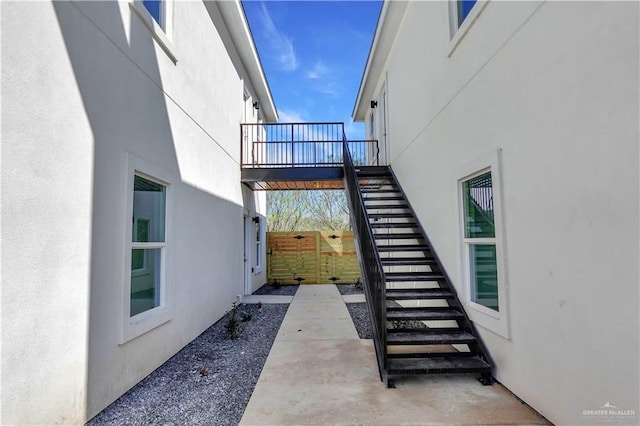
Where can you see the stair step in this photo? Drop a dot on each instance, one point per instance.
(439, 365)
(398, 261)
(404, 247)
(413, 294)
(388, 215)
(413, 276)
(398, 236)
(430, 338)
(377, 189)
(386, 206)
(373, 171)
(410, 224)
(435, 354)
(375, 175)
(428, 314)
(392, 198)
(376, 182)
(433, 330)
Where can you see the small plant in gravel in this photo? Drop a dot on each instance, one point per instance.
(245, 316)
(276, 284)
(204, 372)
(234, 326)
(358, 283)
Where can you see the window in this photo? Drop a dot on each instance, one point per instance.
(462, 15)
(463, 7)
(480, 240)
(139, 262)
(157, 16)
(156, 9)
(258, 230)
(146, 297)
(147, 245)
(483, 269)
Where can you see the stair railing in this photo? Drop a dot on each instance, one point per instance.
(288, 145)
(370, 264)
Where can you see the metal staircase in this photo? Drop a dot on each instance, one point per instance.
(418, 319)
(419, 325)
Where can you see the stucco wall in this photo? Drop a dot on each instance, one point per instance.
(555, 86)
(47, 168)
(87, 92)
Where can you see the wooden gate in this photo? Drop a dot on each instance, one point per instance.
(314, 257)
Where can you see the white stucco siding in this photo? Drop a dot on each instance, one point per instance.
(198, 108)
(555, 86)
(95, 98)
(197, 88)
(47, 164)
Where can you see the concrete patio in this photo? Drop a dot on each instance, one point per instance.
(320, 372)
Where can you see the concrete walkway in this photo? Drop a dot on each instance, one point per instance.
(320, 372)
(254, 298)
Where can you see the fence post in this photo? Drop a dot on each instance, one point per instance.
(318, 237)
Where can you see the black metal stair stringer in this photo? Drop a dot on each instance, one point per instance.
(393, 231)
(370, 265)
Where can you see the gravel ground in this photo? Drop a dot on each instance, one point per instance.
(358, 311)
(347, 289)
(360, 317)
(208, 382)
(281, 290)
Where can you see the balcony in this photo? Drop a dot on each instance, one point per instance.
(302, 156)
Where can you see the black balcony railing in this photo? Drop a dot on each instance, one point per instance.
(370, 265)
(301, 145)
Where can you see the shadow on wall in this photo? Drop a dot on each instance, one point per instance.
(121, 89)
(118, 76)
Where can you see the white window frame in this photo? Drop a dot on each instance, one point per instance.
(146, 321)
(496, 321)
(145, 262)
(457, 33)
(162, 34)
(258, 240)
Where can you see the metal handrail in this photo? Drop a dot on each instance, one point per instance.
(370, 264)
(286, 145)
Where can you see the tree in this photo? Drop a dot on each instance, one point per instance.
(286, 211)
(289, 211)
(328, 210)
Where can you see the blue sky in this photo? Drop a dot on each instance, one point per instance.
(313, 54)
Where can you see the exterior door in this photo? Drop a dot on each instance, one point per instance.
(382, 131)
(246, 255)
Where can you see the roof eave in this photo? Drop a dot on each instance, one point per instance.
(388, 22)
(236, 22)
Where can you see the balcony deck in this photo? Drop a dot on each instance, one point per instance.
(299, 156)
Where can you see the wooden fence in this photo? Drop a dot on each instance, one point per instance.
(315, 257)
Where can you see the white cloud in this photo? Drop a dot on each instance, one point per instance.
(281, 45)
(289, 117)
(354, 131)
(324, 80)
(329, 88)
(319, 71)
